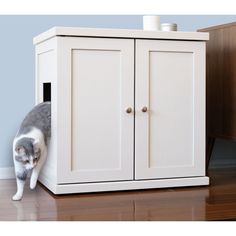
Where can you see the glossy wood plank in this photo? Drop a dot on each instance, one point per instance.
(216, 202)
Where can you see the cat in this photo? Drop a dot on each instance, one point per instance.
(30, 146)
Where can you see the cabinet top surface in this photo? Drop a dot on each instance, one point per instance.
(119, 33)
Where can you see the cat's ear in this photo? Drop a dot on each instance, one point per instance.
(20, 150)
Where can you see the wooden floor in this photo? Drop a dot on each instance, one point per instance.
(216, 202)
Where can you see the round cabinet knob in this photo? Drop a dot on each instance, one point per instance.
(129, 110)
(144, 109)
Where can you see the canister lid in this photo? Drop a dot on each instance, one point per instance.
(169, 27)
(169, 24)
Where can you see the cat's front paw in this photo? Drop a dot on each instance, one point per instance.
(17, 197)
(33, 184)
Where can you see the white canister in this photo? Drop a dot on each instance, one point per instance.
(151, 22)
(169, 27)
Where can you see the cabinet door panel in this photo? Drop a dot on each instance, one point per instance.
(100, 76)
(170, 136)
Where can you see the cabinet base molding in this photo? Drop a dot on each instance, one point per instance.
(122, 185)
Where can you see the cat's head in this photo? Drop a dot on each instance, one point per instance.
(28, 152)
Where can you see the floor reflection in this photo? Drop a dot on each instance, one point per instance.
(35, 205)
(25, 211)
(165, 204)
(187, 204)
(216, 202)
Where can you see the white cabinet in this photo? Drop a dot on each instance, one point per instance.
(128, 108)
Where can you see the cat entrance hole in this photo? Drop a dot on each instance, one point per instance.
(47, 92)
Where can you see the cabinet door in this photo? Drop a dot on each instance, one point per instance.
(170, 135)
(97, 77)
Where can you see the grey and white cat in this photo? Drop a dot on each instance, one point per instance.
(30, 146)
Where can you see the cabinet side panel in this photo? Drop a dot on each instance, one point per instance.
(46, 89)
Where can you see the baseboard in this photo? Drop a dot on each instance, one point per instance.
(7, 173)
